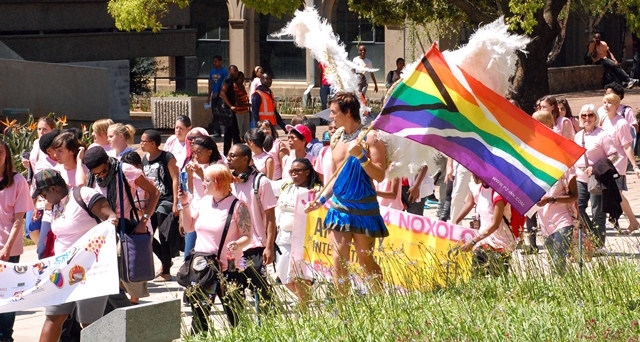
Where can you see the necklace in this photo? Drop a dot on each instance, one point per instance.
(216, 203)
(348, 137)
(58, 209)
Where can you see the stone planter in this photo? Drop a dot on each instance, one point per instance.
(165, 110)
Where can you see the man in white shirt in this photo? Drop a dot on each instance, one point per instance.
(361, 61)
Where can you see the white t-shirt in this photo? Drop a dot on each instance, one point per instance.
(485, 199)
(361, 64)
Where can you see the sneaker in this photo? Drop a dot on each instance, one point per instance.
(632, 83)
(426, 206)
(431, 199)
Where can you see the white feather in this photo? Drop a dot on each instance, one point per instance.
(313, 32)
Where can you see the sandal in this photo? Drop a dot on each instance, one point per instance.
(162, 278)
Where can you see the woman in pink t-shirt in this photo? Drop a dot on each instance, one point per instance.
(277, 150)
(69, 222)
(208, 218)
(558, 212)
(598, 145)
(256, 139)
(177, 143)
(100, 135)
(15, 201)
(204, 154)
(620, 131)
(69, 153)
(299, 137)
(191, 136)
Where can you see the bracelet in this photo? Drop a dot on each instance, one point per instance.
(363, 158)
(360, 156)
(365, 163)
(322, 200)
(473, 242)
(185, 205)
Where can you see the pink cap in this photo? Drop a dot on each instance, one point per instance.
(302, 129)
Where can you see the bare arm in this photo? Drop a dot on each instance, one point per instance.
(185, 214)
(414, 191)
(376, 168)
(393, 193)
(270, 168)
(468, 205)
(244, 225)
(375, 83)
(14, 234)
(267, 255)
(103, 211)
(173, 171)
(223, 94)
(81, 176)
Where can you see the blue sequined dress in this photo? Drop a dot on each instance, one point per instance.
(354, 206)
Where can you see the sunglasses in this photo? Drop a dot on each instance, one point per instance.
(192, 137)
(584, 116)
(292, 171)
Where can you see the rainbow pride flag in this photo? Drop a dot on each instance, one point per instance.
(442, 106)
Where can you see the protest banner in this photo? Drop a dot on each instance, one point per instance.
(87, 269)
(419, 252)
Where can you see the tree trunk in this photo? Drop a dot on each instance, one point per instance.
(531, 80)
(559, 42)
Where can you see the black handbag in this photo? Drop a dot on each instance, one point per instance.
(203, 269)
(222, 113)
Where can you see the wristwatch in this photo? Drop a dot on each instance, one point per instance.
(145, 217)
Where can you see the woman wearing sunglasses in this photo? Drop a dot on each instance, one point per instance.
(291, 272)
(598, 145)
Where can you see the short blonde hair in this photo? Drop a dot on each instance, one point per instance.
(544, 117)
(612, 98)
(220, 176)
(127, 131)
(101, 126)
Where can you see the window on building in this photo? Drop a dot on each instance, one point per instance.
(211, 19)
(354, 31)
(280, 56)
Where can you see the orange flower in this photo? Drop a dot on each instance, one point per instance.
(62, 120)
(9, 124)
(33, 126)
(84, 128)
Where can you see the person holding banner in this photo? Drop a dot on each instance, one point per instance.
(15, 202)
(495, 242)
(69, 221)
(354, 213)
(290, 271)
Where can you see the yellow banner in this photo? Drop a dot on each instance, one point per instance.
(418, 253)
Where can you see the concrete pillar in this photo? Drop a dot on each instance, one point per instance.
(394, 47)
(238, 54)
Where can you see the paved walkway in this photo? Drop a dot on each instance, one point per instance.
(29, 323)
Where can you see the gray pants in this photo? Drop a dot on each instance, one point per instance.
(244, 123)
(595, 224)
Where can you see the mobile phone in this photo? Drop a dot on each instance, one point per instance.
(184, 180)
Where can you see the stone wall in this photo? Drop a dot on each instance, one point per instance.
(81, 93)
(575, 78)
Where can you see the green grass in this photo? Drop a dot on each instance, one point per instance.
(602, 304)
(27, 242)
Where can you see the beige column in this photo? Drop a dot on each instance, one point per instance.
(394, 47)
(238, 54)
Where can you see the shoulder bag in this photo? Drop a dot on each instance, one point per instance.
(200, 269)
(136, 263)
(594, 187)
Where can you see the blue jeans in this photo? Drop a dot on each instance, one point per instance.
(189, 243)
(324, 95)
(557, 244)
(611, 66)
(595, 224)
(7, 319)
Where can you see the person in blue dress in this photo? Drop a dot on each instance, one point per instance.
(354, 212)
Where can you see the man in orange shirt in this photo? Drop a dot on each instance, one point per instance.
(600, 54)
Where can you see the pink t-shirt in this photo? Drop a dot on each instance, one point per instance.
(254, 85)
(209, 225)
(486, 199)
(277, 167)
(131, 173)
(106, 147)
(69, 176)
(260, 161)
(69, 221)
(13, 199)
(258, 204)
(564, 127)
(287, 161)
(620, 132)
(40, 160)
(324, 163)
(385, 186)
(598, 144)
(177, 148)
(554, 216)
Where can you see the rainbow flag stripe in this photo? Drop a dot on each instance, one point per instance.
(444, 107)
